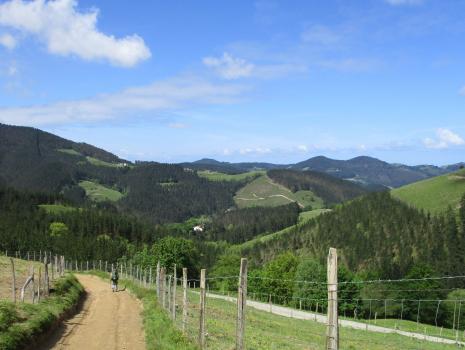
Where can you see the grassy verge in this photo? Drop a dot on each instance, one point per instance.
(160, 332)
(22, 323)
(269, 331)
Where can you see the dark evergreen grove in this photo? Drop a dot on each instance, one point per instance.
(33, 160)
(332, 190)
(241, 225)
(375, 233)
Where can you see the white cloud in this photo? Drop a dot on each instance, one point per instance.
(8, 41)
(404, 2)
(445, 138)
(66, 31)
(12, 69)
(169, 95)
(229, 67)
(302, 148)
(256, 150)
(350, 64)
(177, 125)
(320, 34)
(462, 91)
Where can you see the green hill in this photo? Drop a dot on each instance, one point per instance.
(264, 192)
(37, 161)
(436, 194)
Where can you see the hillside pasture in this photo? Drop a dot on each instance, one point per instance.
(56, 208)
(311, 214)
(69, 151)
(100, 193)
(217, 176)
(434, 195)
(99, 162)
(264, 192)
(22, 272)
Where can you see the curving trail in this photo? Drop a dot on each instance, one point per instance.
(107, 321)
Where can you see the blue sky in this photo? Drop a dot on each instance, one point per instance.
(277, 81)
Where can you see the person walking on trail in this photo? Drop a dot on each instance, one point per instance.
(114, 279)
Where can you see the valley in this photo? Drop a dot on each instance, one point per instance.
(93, 206)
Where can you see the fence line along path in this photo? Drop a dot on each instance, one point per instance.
(307, 315)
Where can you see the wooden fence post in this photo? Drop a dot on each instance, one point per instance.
(241, 305)
(173, 304)
(13, 281)
(162, 287)
(184, 300)
(38, 284)
(47, 283)
(169, 294)
(202, 310)
(157, 282)
(332, 332)
(33, 296)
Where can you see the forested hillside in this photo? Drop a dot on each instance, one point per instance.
(375, 233)
(367, 171)
(34, 160)
(241, 225)
(331, 190)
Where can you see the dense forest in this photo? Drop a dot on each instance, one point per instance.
(377, 233)
(331, 189)
(34, 160)
(240, 225)
(77, 233)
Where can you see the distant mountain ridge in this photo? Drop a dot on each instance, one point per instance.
(365, 170)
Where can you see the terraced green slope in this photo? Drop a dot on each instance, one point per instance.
(264, 192)
(435, 194)
(100, 193)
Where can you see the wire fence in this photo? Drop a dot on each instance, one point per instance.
(212, 317)
(28, 276)
(274, 321)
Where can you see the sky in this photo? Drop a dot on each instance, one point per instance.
(275, 81)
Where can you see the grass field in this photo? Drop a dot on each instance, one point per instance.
(217, 176)
(56, 208)
(99, 162)
(435, 194)
(100, 193)
(263, 192)
(269, 331)
(308, 215)
(22, 268)
(69, 151)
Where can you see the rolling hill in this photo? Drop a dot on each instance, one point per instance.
(434, 195)
(370, 171)
(34, 160)
(367, 171)
(264, 192)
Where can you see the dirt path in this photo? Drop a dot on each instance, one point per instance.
(107, 321)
